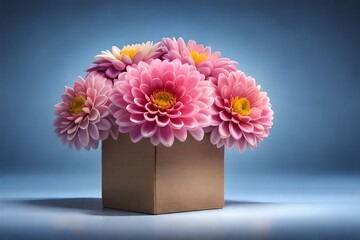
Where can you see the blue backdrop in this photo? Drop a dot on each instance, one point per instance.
(305, 54)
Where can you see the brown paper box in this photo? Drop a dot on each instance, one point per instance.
(156, 179)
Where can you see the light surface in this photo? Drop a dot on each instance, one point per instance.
(281, 207)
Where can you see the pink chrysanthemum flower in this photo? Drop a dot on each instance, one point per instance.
(242, 114)
(114, 62)
(208, 63)
(83, 117)
(162, 100)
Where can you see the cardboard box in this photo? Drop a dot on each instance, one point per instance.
(155, 179)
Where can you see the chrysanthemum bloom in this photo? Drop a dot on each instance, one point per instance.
(242, 114)
(114, 62)
(83, 117)
(162, 100)
(208, 63)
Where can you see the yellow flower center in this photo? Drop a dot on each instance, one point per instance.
(163, 99)
(240, 106)
(77, 105)
(129, 51)
(198, 58)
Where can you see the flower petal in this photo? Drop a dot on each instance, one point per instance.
(189, 110)
(93, 131)
(166, 136)
(94, 115)
(176, 123)
(112, 72)
(135, 134)
(83, 136)
(241, 144)
(100, 100)
(137, 118)
(162, 121)
(180, 134)
(197, 133)
(246, 127)
(224, 130)
(235, 131)
(84, 123)
(215, 136)
(104, 124)
(250, 138)
(118, 65)
(148, 129)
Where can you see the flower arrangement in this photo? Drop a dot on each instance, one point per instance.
(164, 91)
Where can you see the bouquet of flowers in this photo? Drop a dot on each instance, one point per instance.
(164, 91)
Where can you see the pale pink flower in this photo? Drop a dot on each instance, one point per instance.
(208, 63)
(114, 62)
(83, 117)
(162, 100)
(242, 115)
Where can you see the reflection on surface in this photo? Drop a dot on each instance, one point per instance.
(85, 217)
(316, 207)
(92, 206)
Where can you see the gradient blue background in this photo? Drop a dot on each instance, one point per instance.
(305, 54)
(302, 181)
